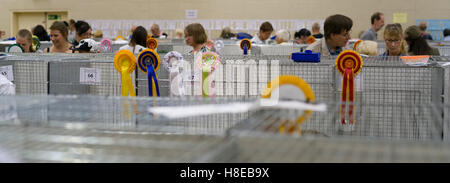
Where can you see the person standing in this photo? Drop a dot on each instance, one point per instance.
(377, 21)
(423, 27)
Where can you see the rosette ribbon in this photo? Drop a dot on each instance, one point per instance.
(289, 87)
(152, 43)
(349, 64)
(106, 45)
(246, 45)
(149, 62)
(207, 64)
(125, 63)
(173, 62)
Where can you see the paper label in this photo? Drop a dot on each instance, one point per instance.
(90, 76)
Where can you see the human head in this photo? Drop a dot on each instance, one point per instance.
(24, 39)
(393, 37)
(226, 33)
(195, 34)
(315, 28)
(72, 24)
(178, 34)
(282, 36)
(58, 33)
(337, 29)
(367, 47)
(98, 34)
(155, 30)
(265, 30)
(40, 32)
(139, 37)
(377, 20)
(423, 26)
(301, 37)
(83, 30)
(417, 44)
(133, 28)
(446, 32)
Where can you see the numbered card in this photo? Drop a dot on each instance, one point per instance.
(7, 71)
(90, 76)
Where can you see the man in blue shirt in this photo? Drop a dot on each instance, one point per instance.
(377, 21)
(423, 27)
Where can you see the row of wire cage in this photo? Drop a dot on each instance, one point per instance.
(114, 129)
(398, 114)
(382, 79)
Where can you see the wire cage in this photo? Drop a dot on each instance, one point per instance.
(282, 149)
(107, 129)
(381, 133)
(382, 79)
(115, 129)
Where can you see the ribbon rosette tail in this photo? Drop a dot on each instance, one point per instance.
(125, 63)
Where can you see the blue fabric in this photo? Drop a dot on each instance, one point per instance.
(337, 52)
(243, 35)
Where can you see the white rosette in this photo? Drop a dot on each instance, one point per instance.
(218, 45)
(173, 62)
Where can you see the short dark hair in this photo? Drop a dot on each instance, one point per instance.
(446, 32)
(302, 32)
(375, 16)
(266, 27)
(139, 37)
(41, 33)
(197, 31)
(81, 27)
(335, 24)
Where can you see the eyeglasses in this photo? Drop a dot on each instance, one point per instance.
(396, 41)
(346, 34)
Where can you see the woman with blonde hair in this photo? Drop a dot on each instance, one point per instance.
(395, 44)
(25, 39)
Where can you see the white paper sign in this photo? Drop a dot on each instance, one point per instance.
(90, 76)
(7, 71)
(191, 14)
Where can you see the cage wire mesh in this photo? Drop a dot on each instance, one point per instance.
(114, 129)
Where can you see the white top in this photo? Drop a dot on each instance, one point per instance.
(6, 87)
(256, 40)
(137, 50)
(447, 38)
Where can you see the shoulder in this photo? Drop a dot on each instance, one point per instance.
(315, 47)
(124, 47)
